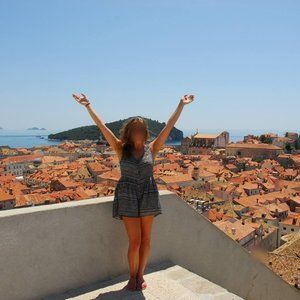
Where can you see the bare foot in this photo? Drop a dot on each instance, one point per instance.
(131, 284)
(141, 283)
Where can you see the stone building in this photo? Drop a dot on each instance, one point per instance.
(203, 143)
(261, 150)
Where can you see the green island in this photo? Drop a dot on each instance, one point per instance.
(92, 132)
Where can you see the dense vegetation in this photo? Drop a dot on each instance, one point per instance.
(92, 132)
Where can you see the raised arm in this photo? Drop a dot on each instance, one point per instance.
(156, 144)
(114, 142)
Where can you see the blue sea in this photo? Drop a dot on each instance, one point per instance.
(31, 138)
(26, 138)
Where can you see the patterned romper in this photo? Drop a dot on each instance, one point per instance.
(136, 193)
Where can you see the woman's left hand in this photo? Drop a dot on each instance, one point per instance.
(186, 99)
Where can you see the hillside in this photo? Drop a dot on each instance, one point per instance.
(92, 132)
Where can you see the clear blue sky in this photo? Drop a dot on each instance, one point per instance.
(240, 58)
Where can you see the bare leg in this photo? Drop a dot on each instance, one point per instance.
(133, 229)
(146, 226)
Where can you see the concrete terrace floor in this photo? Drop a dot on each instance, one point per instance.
(165, 281)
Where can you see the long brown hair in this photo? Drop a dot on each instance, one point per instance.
(125, 134)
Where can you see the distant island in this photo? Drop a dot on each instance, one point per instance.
(1, 128)
(92, 132)
(36, 128)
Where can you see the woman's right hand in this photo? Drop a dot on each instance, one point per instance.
(83, 100)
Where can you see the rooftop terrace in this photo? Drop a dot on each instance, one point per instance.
(165, 281)
(77, 250)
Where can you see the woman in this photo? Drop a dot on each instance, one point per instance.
(136, 200)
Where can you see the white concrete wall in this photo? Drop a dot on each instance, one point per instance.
(201, 247)
(53, 248)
